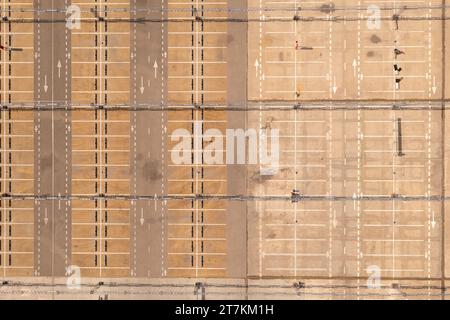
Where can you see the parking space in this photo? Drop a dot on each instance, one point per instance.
(402, 58)
(293, 57)
(302, 53)
(101, 139)
(16, 143)
(340, 50)
(197, 77)
(350, 160)
(354, 89)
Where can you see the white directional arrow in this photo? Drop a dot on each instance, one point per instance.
(256, 67)
(59, 68)
(45, 84)
(46, 217)
(142, 216)
(155, 66)
(434, 85)
(334, 86)
(354, 67)
(433, 221)
(142, 85)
